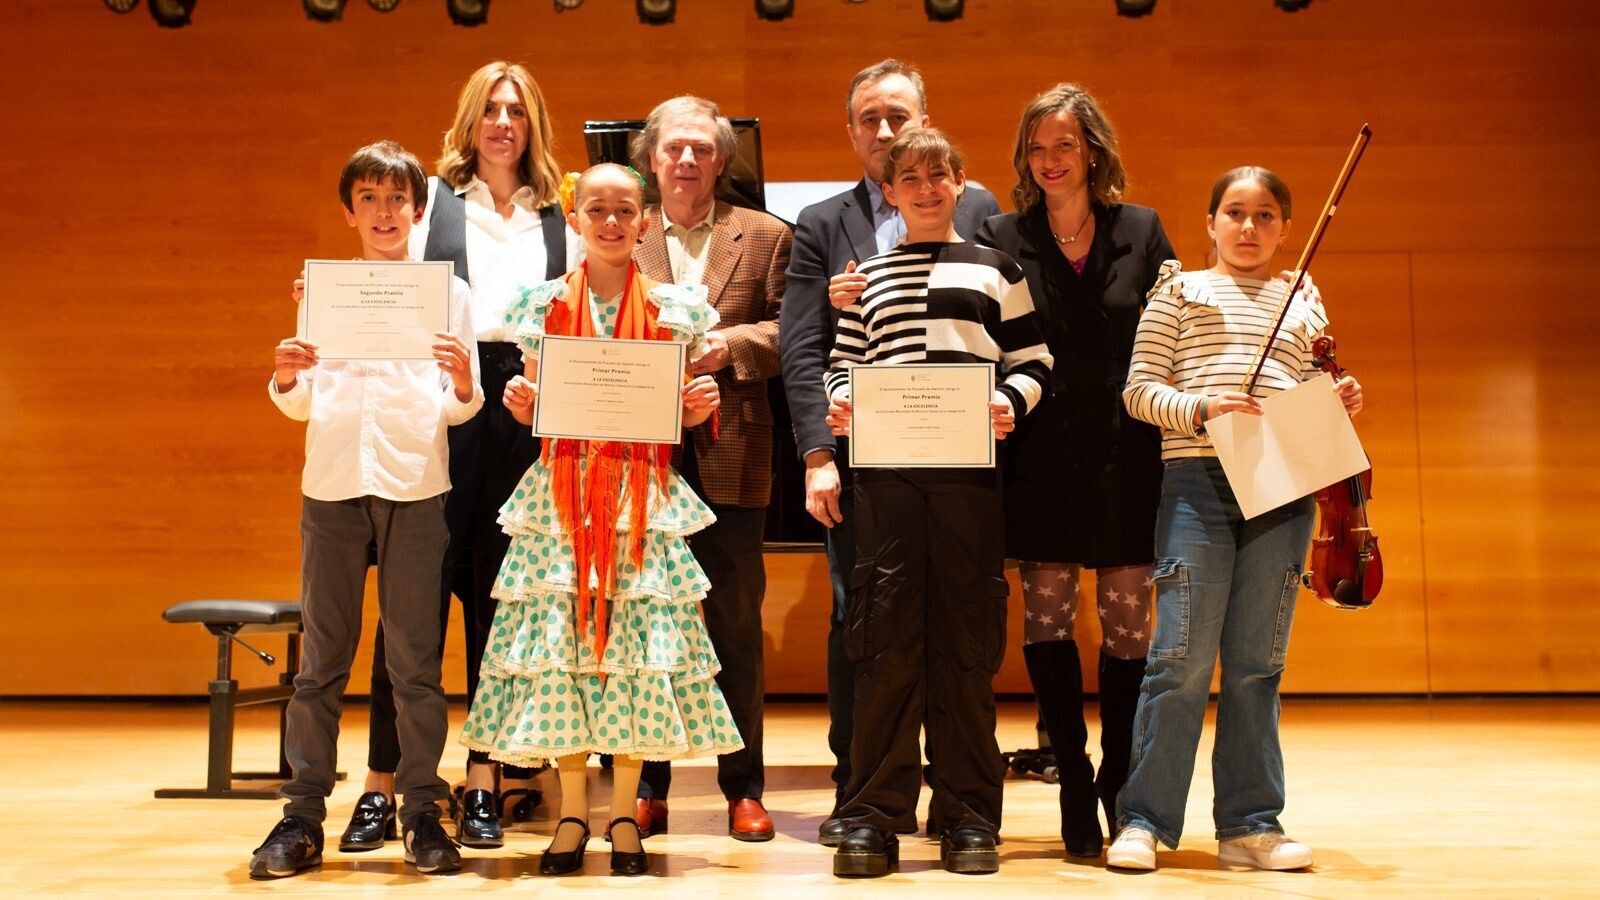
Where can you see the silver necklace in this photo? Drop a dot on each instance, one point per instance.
(1073, 237)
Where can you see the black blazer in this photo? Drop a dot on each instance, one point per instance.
(1083, 477)
(828, 235)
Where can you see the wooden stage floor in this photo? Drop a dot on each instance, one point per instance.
(1441, 798)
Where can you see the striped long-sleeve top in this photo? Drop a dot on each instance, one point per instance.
(944, 303)
(1199, 335)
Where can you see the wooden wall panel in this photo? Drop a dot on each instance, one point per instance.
(1509, 462)
(162, 187)
(1383, 649)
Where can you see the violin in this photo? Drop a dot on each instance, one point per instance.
(1346, 570)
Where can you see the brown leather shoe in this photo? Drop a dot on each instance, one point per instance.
(651, 817)
(748, 821)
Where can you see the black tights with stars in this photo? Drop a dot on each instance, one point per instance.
(1050, 595)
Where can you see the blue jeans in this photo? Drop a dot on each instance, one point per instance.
(1223, 584)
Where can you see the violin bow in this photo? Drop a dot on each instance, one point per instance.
(1328, 209)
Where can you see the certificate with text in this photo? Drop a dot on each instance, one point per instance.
(366, 310)
(1302, 442)
(919, 416)
(605, 389)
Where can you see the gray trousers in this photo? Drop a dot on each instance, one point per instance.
(411, 538)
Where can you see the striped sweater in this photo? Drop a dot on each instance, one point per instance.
(944, 303)
(1199, 335)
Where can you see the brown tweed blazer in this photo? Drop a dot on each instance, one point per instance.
(744, 280)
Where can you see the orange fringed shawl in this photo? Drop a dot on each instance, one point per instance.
(588, 506)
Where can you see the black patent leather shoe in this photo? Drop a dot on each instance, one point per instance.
(566, 861)
(478, 822)
(866, 852)
(371, 823)
(294, 843)
(969, 851)
(429, 848)
(831, 832)
(623, 862)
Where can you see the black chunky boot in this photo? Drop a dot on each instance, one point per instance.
(1058, 685)
(1119, 699)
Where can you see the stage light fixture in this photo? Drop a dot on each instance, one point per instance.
(468, 13)
(1133, 9)
(944, 10)
(1292, 5)
(121, 6)
(383, 5)
(324, 10)
(774, 10)
(566, 5)
(172, 13)
(656, 12)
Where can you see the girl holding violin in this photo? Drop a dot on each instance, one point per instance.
(1224, 584)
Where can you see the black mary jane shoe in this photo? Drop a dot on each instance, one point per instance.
(569, 861)
(371, 824)
(478, 821)
(865, 852)
(622, 862)
(969, 851)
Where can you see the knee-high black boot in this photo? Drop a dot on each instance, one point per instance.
(1058, 685)
(1119, 698)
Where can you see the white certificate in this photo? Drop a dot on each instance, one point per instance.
(361, 309)
(604, 389)
(917, 416)
(1302, 442)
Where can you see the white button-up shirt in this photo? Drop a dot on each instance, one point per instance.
(687, 247)
(378, 429)
(501, 253)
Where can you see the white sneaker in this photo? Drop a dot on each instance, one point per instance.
(1134, 848)
(1266, 850)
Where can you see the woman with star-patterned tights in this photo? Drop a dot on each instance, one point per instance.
(1083, 478)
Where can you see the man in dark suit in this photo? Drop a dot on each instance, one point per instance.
(739, 255)
(850, 227)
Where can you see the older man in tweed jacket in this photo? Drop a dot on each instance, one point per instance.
(739, 255)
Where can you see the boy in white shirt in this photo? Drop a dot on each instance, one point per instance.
(377, 472)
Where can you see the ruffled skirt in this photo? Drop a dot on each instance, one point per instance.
(542, 693)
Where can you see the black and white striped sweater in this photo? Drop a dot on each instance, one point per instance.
(944, 303)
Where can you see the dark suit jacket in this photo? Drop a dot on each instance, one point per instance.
(1083, 477)
(829, 235)
(744, 282)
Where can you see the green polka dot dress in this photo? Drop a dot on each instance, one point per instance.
(541, 695)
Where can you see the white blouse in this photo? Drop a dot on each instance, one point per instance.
(501, 253)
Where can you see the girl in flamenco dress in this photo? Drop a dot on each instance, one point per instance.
(598, 645)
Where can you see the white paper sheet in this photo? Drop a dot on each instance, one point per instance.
(369, 310)
(921, 416)
(1302, 442)
(607, 389)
